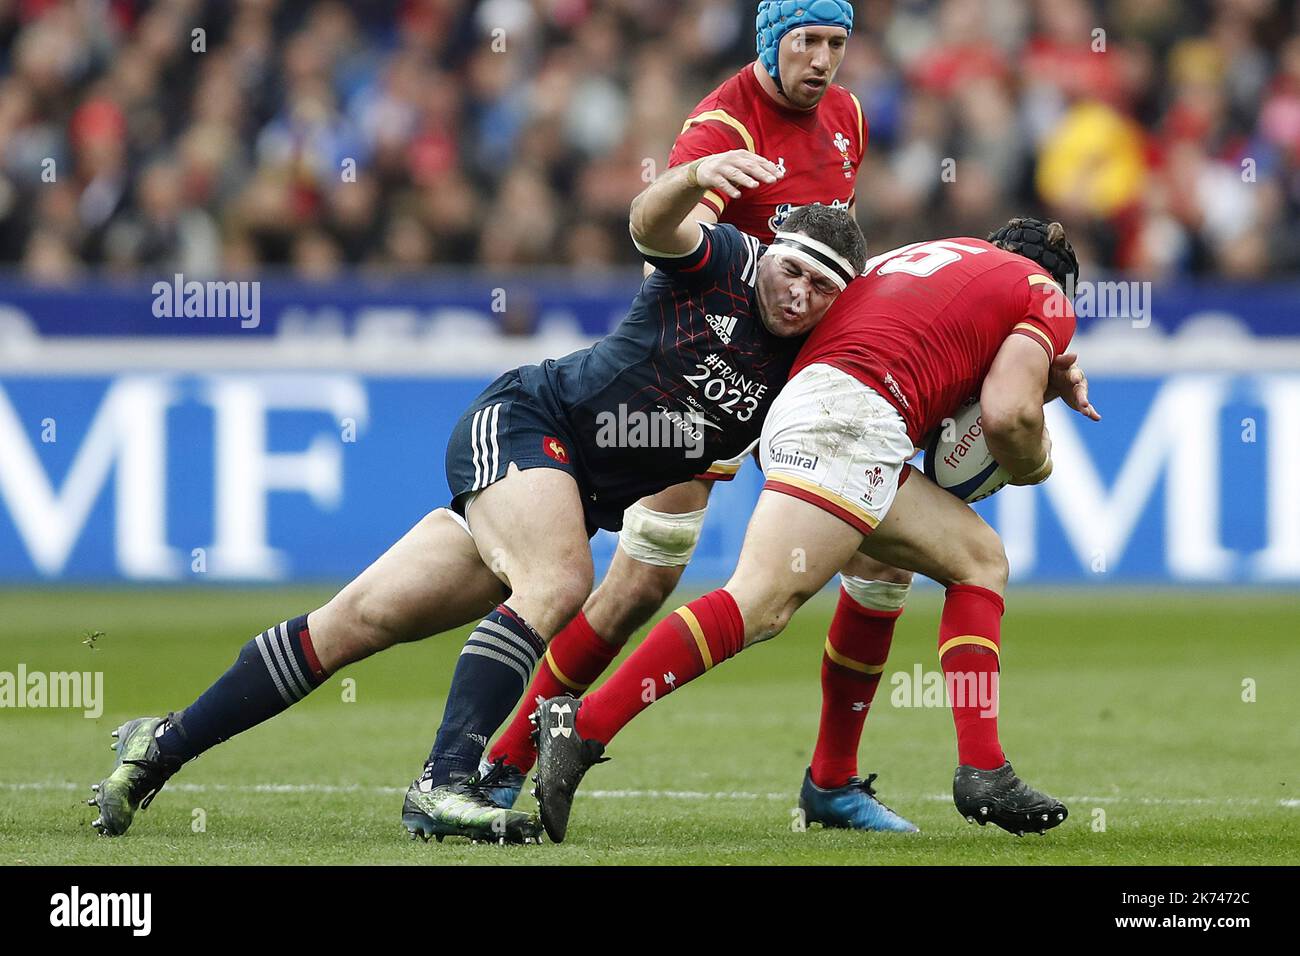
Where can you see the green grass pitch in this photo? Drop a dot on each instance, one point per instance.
(1129, 707)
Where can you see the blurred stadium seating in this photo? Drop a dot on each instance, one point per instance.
(228, 160)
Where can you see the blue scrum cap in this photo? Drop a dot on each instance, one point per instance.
(776, 18)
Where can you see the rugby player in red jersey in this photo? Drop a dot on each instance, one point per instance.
(785, 107)
(925, 327)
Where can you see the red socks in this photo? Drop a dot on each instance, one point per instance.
(855, 656)
(969, 635)
(710, 630)
(678, 649)
(572, 662)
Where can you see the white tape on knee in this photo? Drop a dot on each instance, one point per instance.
(875, 595)
(663, 540)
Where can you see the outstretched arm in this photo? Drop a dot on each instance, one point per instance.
(702, 213)
(661, 217)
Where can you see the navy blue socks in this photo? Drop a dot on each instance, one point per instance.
(274, 671)
(492, 673)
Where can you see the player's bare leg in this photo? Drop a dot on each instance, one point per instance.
(660, 531)
(871, 601)
(429, 581)
(792, 548)
(530, 530)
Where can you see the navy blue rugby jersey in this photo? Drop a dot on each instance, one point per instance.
(685, 380)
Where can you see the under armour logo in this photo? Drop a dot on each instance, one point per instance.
(670, 679)
(859, 705)
(561, 728)
(780, 164)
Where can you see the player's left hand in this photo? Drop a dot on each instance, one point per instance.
(734, 170)
(1067, 381)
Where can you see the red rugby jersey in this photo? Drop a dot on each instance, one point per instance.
(820, 149)
(923, 324)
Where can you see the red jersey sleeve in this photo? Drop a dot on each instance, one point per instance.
(705, 135)
(1049, 317)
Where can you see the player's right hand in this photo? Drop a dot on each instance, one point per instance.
(1067, 381)
(728, 173)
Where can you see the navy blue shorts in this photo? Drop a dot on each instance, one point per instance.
(505, 425)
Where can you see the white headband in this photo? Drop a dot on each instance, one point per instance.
(816, 254)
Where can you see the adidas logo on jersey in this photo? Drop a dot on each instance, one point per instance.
(724, 325)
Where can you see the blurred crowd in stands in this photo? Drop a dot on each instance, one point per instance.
(392, 136)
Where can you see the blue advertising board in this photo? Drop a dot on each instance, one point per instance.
(589, 303)
(238, 476)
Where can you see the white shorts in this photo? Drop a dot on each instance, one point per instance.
(836, 443)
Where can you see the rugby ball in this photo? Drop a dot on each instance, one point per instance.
(957, 458)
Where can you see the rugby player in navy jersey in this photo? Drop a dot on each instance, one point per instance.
(546, 454)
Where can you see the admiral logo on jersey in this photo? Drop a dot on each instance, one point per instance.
(793, 457)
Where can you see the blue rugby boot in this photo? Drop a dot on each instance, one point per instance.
(853, 806)
(501, 783)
